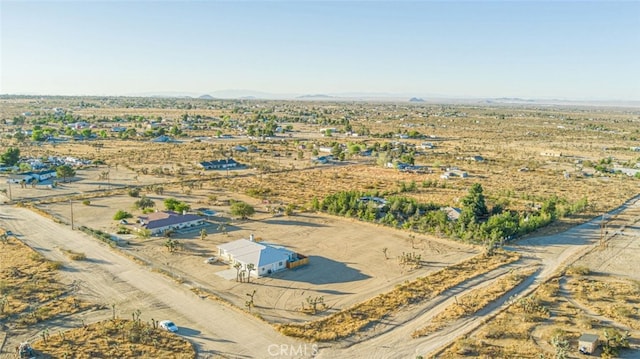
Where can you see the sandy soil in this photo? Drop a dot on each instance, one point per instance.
(347, 263)
(110, 278)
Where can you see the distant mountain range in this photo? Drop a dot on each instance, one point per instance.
(241, 94)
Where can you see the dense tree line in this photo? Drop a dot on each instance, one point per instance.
(475, 223)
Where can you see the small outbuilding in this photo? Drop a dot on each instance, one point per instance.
(587, 343)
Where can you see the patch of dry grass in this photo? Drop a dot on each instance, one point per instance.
(351, 320)
(526, 328)
(76, 256)
(474, 301)
(114, 339)
(27, 278)
(616, 299)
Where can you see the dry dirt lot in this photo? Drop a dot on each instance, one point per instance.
(599, 290)
(347, 262)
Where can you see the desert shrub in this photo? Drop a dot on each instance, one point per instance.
(579, 270)
(258, 192)
(105, 237)
(614, 341)
(86, 202)
(123, 230)
(134, 192)
(55, 265)
(76, 256)
(144, 233)
(121, 215)
(623, 311)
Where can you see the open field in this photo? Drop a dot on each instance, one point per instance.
(589, 297)
(521, 156)
(34, 293)
(347, 263)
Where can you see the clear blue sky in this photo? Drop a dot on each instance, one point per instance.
(572, 50)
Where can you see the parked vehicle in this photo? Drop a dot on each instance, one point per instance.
(168, 325)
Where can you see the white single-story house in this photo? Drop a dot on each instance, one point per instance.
(219, 164)
(265, 257)
(29, 177)
(159, 222)
(45, 175)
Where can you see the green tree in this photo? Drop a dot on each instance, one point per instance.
(475, 203)
(38, 135)
(336, 150)
(171, 203)
(144, 202)
(242, 209)
(64, 172)
(86, 133)
(11, 156)
(121, 215)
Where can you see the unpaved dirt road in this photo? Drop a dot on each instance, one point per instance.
(110, 278)
(215, 328)
(550, 252)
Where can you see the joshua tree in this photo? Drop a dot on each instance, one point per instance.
(250, 267)
(136, 316)
(171, 245)
(203, 234)
(249, 303)
(222, 228)
(237, 266)
(384, 251)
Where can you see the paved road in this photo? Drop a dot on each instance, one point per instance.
(112, 278)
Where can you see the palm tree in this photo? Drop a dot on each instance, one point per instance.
(250, 267)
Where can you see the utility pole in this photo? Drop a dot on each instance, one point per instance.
(71, 208)
(9, 182)
(603, 231)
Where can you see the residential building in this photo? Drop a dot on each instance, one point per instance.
(160, 222)
(219, 164)
(266, 258)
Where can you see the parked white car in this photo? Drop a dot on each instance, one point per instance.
(211, 260)
(168, 325)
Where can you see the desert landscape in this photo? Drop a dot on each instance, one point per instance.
(430, 230)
